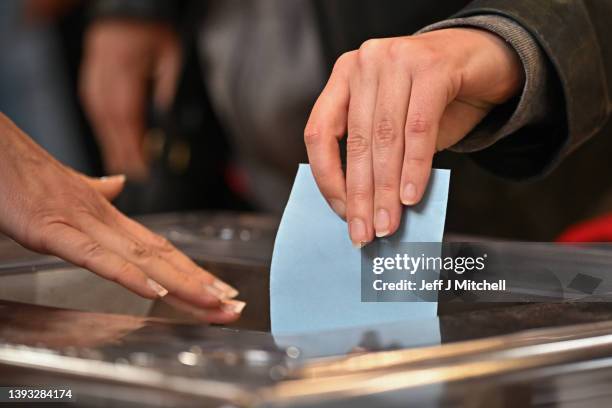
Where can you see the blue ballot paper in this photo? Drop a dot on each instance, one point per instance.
(315, 281)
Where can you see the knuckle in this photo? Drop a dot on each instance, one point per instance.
(358, 195)
(344, 60)
(91, 252)
(138, 250)
(41, 230)
(385, 186)
(368, 51)
(312, 135)
(399, 50)
(417, 124)
(46, 220)
(384, 133)
(315, 134)
(416, 161)
(426, 57)
(357, 144)
(371, 45)
(162, 243)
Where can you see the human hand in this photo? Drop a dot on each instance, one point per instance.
(121, 59)
(49, 208)
(401, 100)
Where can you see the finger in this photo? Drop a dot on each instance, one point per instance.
(81, 250)
(325, 128)
(426, 107)
(115, 105)
(218, 315)
(388, 148)
(114, 156)
(110, 187)
(127, 122)
(175, 257)
(187, 287)
(97, 89)
(359, 177)
(166, 77)
(458, 120)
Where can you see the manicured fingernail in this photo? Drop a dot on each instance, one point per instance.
(338, 207)
(382, 222)
(232, 306)
(228, 291)
(157, 288)
(409, 194)
(116, 177)
(357, 230)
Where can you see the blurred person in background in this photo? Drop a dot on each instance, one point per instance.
(34, 82)
(265, 61)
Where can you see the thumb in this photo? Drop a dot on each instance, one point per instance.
(109, 187)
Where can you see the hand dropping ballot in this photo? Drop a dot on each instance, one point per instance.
(315, 282)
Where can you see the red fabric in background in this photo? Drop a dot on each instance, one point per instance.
(595, 230)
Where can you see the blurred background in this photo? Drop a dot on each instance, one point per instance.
(42, 41)
(231, 137)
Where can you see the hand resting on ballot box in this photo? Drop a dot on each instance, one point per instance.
(49, 208)
(400, 100)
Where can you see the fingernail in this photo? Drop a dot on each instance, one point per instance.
(338, 207)
(381, 223)
(409, 194)
(232, 306)
(116, 177)
(157, 288)
(227, 290)
(357, 230)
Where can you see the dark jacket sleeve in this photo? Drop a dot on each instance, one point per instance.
(153, 10)
(573, 34)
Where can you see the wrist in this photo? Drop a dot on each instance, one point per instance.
(493, 50)
(489, 69)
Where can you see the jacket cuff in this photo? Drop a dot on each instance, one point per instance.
(530, 107)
